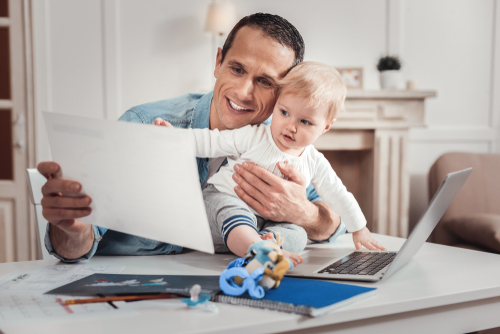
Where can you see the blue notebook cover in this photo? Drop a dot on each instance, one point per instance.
(304, 296)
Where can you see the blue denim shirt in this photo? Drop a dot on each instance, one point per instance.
(186, 111)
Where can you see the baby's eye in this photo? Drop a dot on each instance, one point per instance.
(305, 122)
(285, 113)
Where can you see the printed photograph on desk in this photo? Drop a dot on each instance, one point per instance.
(352, 77)
(113, 285)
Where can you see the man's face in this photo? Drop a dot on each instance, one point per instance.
(246, 85)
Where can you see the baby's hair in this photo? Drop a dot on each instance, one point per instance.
(319, 82)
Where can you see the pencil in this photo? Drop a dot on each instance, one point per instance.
(116, 299)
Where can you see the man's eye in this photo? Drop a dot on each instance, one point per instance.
(284, 112)
(238, 70)
(305, 122)
(265, 82)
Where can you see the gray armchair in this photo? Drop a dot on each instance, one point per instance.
(473, 219)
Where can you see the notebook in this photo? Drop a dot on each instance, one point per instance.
(303, 296)
(294, 295)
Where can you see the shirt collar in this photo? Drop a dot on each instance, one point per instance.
(201, 114)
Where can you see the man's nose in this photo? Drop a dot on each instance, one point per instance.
(244, 90)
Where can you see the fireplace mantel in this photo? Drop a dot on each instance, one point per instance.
(368, 148)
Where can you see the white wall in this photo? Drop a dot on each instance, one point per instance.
(339, 33)
(448, 46)
(100, 57)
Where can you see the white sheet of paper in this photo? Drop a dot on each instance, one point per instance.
(27, 309)
(34, 279)
(142, 179)
(22, 298)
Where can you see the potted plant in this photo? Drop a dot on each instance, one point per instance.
(388, 67)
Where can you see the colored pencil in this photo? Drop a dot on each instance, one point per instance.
(116, 299)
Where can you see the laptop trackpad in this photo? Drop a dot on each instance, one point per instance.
(317, 260)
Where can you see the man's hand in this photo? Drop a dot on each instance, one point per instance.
(363, 237)
(271, 196)
(281, 200)
(61, 205)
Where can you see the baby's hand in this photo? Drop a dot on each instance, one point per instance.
(267, 236)
(161, 122)
(363, 237)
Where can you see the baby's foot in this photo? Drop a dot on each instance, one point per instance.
(295, 258)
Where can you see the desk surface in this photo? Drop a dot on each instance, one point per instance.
(438, 277)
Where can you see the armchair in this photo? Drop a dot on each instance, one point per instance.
(473, 219)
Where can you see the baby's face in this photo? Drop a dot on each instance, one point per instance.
(295, 125)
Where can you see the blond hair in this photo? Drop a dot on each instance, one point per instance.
(319, 82)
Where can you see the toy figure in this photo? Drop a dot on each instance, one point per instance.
(262, 268)
(199, 300)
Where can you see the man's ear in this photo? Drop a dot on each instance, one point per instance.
(329, 125)
(218, 62)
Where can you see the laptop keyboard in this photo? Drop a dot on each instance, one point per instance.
(360, 263)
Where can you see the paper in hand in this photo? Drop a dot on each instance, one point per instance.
(143, 179)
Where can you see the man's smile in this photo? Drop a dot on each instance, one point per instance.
(236, 108)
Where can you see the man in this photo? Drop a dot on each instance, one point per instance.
(258, 52)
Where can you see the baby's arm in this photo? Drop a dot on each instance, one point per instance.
(334, 193)
(215, 143)
(243, 236)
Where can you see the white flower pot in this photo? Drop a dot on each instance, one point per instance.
(390, 79)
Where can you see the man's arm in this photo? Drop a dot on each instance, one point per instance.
(70, 238)
(280, 200)
(71, 245)
(325, 225)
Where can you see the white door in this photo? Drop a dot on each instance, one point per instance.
(16, 237)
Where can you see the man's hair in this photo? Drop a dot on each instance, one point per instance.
(273, 26)
(320, 83)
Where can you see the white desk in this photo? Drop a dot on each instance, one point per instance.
(442, 290)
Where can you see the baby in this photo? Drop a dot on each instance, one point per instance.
(310, 96)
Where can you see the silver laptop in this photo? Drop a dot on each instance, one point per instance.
(375, 266)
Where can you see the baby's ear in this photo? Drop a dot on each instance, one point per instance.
(329, 125)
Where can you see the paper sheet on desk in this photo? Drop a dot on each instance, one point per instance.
(26, 309)
(38, 280)
(142, 179)
(22, 299)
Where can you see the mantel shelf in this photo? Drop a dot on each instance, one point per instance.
(389, 94)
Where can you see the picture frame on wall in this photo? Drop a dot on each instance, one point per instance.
(352, 77)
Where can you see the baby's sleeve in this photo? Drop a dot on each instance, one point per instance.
(215, 143)
(335, 194)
